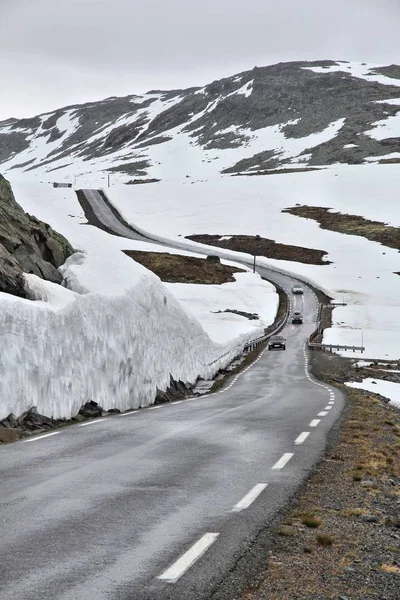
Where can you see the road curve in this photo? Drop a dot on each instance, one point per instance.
(160, 503)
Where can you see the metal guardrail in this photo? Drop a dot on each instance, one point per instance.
(256, 342)
(331, 347)
(249, 346)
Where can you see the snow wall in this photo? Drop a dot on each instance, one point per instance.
(69, 346)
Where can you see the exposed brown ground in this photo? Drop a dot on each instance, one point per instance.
(341, 538)
(350, 224)
(260, 246)
(389, 161)
(277, 171)
(176, 268)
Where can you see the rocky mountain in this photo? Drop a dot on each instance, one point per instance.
(27, 245)
(298, 113)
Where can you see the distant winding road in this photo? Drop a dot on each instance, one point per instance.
(160, 503)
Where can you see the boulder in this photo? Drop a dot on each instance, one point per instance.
(91, 409)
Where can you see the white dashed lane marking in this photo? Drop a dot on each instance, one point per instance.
(283, 460)
(250, 497)
(302, 437)
(323, 413)
(176, 570)
(314, 422)
(91, 423)
(40, 437)
(129, 414)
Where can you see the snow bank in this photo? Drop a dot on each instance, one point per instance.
(116, 349)
(388, 389)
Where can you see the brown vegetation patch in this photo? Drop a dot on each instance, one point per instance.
(277, 171)
(349, 224)
(260, 246)
(389, 161)
(141, 181)
(176, 268)
(354, 553)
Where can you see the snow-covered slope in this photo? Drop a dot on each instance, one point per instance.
(115, 334)
(362, 273)
(283, 115)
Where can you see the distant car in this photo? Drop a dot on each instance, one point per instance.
(276, 341)
(297, 317)
(297, 289)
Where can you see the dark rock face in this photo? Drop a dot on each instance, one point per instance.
(177, 390)
(224, 114)
(31, 422)
(91, 410)
(26, 245)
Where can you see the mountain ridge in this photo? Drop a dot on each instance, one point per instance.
(298, 113)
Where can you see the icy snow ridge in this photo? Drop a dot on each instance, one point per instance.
(116, 350)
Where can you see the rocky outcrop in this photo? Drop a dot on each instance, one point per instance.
(27, 245)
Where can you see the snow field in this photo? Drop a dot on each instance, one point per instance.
(362, 273)
(115, 334)
(357, 69)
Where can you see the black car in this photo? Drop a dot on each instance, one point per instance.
(297, 289)
(277, 342)
(297, 317)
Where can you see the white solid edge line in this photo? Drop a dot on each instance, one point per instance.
(283, 460)
(40, 437)
(155, 407)
(91, 422)
(178, 568)
(302, 437)
(314, 422)
(250, 497)
(323, 413)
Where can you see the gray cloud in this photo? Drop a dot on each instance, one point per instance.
(58, 53)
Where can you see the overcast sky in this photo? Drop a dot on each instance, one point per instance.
(59, 52)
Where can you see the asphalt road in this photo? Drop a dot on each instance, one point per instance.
(159, 504)
(107, 217)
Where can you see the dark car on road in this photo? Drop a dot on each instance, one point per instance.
(297, 317)
(277, 342)
(297, 289)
